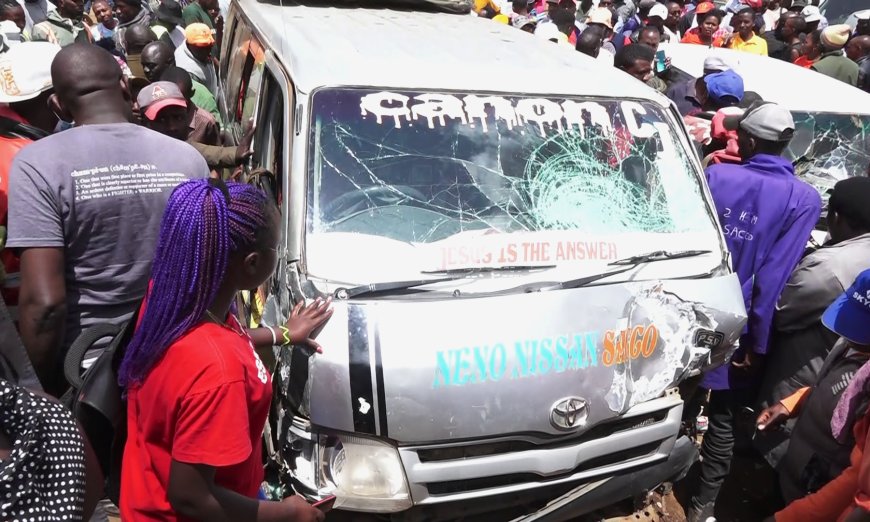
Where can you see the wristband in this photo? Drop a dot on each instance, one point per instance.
(285, 335)
(274, 337)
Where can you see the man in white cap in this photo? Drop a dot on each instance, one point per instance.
(684, 94)
(24, 117)
(833, 61)
(815, 20)
(656, 18)
(766, 214)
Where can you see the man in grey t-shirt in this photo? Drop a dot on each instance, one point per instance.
(85, 208)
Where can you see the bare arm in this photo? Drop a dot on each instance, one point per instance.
(262, 337)
(193, 493)
(42, 311)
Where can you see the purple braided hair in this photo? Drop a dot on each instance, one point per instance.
(204, 223)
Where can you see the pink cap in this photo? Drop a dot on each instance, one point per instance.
(153, 109)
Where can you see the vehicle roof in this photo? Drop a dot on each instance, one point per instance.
(792, 86)
(394, 48)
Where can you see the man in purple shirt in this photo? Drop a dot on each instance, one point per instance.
(767, 215)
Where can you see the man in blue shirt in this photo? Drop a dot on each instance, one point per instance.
(767, 215)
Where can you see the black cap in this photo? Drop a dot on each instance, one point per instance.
(851, 198)
(169, 11)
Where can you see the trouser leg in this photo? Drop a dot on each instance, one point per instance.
(717, 447)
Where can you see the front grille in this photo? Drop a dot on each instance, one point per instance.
(496, 448)
(459, 486)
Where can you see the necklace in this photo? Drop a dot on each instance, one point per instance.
(231, 326)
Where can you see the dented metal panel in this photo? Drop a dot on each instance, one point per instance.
(480, 367)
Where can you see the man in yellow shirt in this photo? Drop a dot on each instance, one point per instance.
(745, 38)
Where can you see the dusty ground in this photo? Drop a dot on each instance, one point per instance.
(749, 495)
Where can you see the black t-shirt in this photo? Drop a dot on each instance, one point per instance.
(777, 48)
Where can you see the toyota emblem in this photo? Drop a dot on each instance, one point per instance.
(569, 413)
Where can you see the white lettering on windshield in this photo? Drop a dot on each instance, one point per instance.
(475, 106)
(540, 111)
(631, 110)
(384, 104)
(438, 106)
(473, 109)
(597, 116)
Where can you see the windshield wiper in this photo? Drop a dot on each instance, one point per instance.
(388, 286)
(451, 274)
(489, 269)
(627, 264)
(659, 255)
(455, 274)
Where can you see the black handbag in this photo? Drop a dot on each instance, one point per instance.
(97, 400)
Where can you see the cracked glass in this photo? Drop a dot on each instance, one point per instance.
(829, 147)
(432, 169)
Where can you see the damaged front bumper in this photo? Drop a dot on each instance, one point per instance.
(498, 406)
(602, 493)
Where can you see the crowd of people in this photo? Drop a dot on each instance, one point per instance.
(108, 123)
(798, 33)
(112, 149)
(801, 358)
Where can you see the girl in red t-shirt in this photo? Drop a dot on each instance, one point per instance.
(198, 394)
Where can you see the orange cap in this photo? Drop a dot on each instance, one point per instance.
(198, 35)
(704, 7)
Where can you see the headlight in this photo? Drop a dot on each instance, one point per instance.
(365, 474)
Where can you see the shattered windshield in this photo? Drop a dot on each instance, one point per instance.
(829, 147)
(435, 180)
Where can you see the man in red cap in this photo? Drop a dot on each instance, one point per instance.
(165, 110)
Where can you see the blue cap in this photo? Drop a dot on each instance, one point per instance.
(725, 83)
(849, 315)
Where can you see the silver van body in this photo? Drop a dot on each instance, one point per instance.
(481, 203)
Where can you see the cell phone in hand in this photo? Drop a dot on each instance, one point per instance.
(325, 504)
(661, 61)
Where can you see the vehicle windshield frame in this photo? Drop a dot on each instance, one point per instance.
(668, 115)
